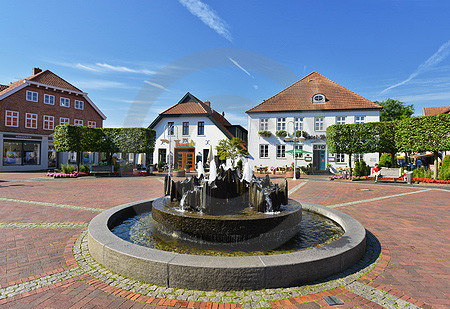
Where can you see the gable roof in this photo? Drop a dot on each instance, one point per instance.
(46, 78)
(191, 105)
(429, 111)
(298, 97)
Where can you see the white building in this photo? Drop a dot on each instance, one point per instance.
(311, 105)
(197, 128)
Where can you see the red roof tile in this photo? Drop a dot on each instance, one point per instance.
(429, 111)
(298, 97)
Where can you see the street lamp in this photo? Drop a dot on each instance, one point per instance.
(301, 139)
(170, 132)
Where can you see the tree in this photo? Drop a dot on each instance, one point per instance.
(395, 110)
(231, 149)
(428, 133)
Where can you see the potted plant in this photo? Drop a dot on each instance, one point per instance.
(179, 172)
(187, 168)
(290, 171)
(265, 133)
(160, 165)
(281, 133)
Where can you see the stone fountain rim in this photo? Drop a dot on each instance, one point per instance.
(242, 272)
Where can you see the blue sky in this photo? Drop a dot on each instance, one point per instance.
(136, 58)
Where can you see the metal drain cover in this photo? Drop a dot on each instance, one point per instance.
(333, 300)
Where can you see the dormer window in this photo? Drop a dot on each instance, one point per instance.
(318, 98)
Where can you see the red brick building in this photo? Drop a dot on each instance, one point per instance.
(30, 109)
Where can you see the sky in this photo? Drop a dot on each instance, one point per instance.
(137, 58)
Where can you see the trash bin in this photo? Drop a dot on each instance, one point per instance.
(409, 176)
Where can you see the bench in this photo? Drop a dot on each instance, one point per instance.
(102, 169)
(388, 172)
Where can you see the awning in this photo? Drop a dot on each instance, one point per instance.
(297, 151)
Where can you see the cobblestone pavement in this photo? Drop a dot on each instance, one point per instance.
(44, 262)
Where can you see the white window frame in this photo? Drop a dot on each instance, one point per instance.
(263, 124)
(360, 119)
(264, 151)
(358, 157)
(340, 158)
(92, 124)
(281, 123)
(62, 102)
(48, 122)
(13, 116)
(319, 124)
(30, 96)
(33, 118)
(182, 128)
(281, 151)
(198, 127)
(79, 104)
(171, 128)
(340, 119)
(64, 120)
(49, 99)
(298, 123)
(78, 122)
(298, 147)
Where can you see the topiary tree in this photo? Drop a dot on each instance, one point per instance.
(428, 133)
(385, 160)
(231, 149)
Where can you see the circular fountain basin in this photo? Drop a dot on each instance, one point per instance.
(222, 273)
(249, 230)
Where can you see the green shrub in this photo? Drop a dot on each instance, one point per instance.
(421, 173)
(385, 160)
(84, 169)
(356, 169)
(444, 171)
(67, 169)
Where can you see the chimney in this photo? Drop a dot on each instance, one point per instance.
(36, 71)
(207, 103)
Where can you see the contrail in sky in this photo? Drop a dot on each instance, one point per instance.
(240, 67)
(436, 58)
(208, 16)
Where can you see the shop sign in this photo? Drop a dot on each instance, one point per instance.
(21, 136)
(190, 144)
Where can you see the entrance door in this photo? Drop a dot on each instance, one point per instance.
(184, 157)
(319, 157)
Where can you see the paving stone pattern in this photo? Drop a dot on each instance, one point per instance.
(44, 261)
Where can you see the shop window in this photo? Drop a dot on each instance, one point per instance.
(21, 153)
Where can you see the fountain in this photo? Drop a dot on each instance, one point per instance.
(227, 231)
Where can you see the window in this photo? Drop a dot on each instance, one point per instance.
(298, 147)
(49, 99)
(79, 104)
(340, 120)
(64, 102)
(263, 124)
(281, 124)
(92, 124)
(263, 151)
(340, 158)
(78, 122)
(49, 122)
(12, 119)
(31, 121)
(298, 123)
(281, 151)
(21, 153)
(358, 157)
(201, 128)
(318, 123)
(170, 128)
(63, 120)
(185, 128)
(318, 98)
(32, 96)
(359, 119)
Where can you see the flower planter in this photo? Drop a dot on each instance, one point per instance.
(289, 174)
(181, 173)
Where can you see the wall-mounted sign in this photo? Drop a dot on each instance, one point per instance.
(186, 144)
(21, 136)
(308, 159)
(331, 159)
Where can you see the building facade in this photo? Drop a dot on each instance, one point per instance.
(30, 109)
(189, 130)
(310, 105)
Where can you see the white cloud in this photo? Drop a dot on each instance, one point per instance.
(156, 85)
(240, 67)
(85, 67)
(123, 69)
(436, 58)
(208, 17)
(256, 87)
(100, 84)
(426, 97)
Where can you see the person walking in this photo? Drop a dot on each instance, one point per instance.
(376, 172)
